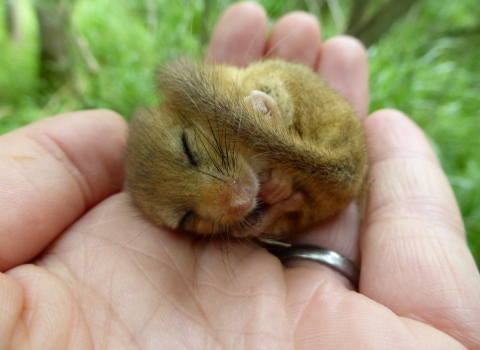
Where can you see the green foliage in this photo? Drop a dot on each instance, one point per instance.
(16, 59)
(434, 78)
(129, 49)
(423, 66)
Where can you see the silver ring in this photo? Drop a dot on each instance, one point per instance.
(330, 258)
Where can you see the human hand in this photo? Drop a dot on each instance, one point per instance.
(82, 269)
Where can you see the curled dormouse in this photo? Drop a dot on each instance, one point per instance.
(263, 151)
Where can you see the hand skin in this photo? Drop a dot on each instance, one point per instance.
(82, 269)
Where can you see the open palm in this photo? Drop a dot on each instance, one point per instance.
(100, 276)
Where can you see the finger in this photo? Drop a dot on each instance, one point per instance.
(344, 66)
(295, 37)
(239, 37)
(414, 257)
(52, 172)
(339, 233)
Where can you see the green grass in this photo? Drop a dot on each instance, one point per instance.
(418, 67)
(434, 77)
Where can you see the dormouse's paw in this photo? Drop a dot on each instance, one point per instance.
(264, 104)
(290, 204)
(279, 209)
(275, 186)
(271, 215)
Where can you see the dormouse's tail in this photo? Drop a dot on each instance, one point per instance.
(205, 94)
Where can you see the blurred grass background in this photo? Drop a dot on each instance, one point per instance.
(427, 65)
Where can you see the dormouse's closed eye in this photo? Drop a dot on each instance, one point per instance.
(188, 151)
(186, 218)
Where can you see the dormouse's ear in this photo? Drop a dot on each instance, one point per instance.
(264, 104)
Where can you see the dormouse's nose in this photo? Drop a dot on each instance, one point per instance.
(241, 197)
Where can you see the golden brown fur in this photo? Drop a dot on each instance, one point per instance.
(219, 156)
